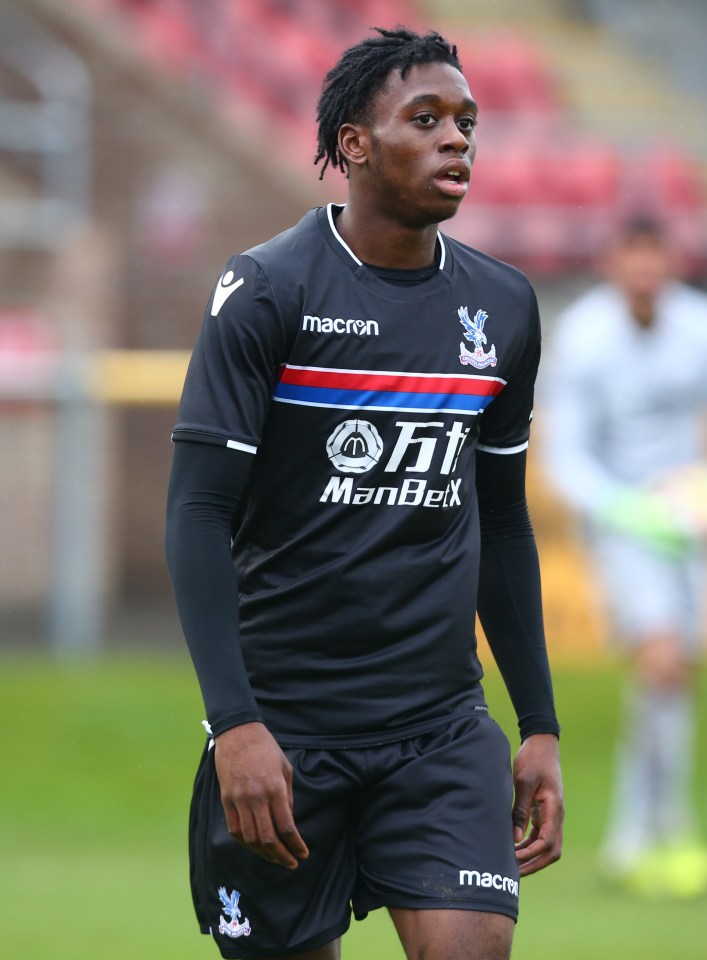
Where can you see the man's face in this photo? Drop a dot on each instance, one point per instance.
(421, 144)
(641, 266)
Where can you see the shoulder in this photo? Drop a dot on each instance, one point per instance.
(498, 291)
(582, 330)
(685, 319)
(277, 269)
(589, 313)
(690, 295)
(688, 305)
(290, 252)
(488, 269)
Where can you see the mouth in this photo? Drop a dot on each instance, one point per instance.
(453, 179)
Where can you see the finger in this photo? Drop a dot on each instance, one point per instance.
(521, 811)
(537, 848)
(233, 821)
(542, 847)
(268, 844)
(243, 827)
(541, 860)
(531, 837)
(287, 829)
(287, 772)
(527, 841)
(247, 835)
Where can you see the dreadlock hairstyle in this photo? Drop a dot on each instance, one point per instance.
(349, 87)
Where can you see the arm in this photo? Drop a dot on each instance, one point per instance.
(510, 602)
(510, 610)
(224, 406)
(206, 485)
(573, 424)
(570, 429)
(510, 605)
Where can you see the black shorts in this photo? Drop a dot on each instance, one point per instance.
(422, 823)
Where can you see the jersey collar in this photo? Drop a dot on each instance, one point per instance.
(359, 263)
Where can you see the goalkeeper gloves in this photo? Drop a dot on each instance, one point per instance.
(647, 516)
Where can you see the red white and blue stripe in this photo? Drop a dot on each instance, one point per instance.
(386, 390)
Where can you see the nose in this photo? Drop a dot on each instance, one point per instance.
(453, 138)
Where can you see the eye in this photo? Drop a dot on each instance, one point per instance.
(467, 124)
(425, 119)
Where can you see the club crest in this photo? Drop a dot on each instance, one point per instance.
(232, 928)
(474, 331)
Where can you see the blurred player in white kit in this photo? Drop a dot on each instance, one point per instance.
(626, 396)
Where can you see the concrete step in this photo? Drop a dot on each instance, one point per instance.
(473, 13)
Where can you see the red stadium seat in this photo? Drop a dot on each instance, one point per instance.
(674, 176)
(581, 173)
(507, 173)
(508, 73)
(268, 58)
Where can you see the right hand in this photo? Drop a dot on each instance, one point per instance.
(256, 792)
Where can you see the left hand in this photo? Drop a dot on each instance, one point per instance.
(538, 803)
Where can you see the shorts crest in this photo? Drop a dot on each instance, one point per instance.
(232, 928)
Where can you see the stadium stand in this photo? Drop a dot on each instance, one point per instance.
(199, 139)
(266, 58)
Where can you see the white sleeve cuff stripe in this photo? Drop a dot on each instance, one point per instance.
(245, 447)
(502, 450)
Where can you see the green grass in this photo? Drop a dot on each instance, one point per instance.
(97, 762)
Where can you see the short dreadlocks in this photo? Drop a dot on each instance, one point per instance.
(350, 85)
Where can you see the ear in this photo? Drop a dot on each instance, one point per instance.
(354, 143)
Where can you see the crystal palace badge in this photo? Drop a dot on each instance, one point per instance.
(474, 331)
(232, 928)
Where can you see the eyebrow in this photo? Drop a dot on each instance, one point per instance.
(469, 103)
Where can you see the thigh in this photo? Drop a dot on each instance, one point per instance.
(453, 934)
(254, 908)
(332, 951)
(647, 592)
(434, 831)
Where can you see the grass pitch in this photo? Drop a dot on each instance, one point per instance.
(97, 763)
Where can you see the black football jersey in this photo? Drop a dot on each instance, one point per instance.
(363, 403)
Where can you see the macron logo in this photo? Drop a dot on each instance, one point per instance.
(472, 878)
(224, 289)
(360, 328)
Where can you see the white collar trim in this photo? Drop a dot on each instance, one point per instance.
(347, 248)
(336, 233)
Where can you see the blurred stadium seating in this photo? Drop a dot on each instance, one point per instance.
(561, 189)
(142, 141)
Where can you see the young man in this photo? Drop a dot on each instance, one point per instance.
(356, 415)
(627, 394)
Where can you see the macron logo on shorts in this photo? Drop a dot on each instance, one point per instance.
(224, 289)
(474, 878)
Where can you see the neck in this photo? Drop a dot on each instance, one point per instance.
(643, 311)
(377, 240)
